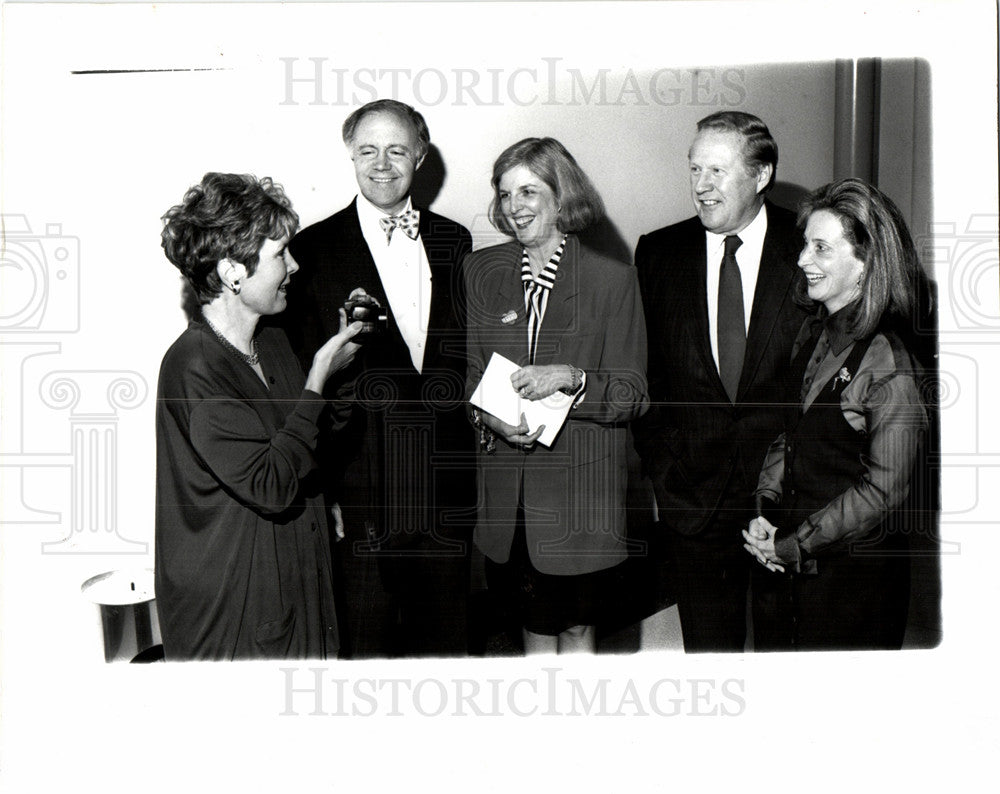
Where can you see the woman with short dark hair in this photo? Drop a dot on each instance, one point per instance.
(242, 547)
(831, 529)
(551, 519)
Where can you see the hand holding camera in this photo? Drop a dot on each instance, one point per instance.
(336, 354)
(362, 307)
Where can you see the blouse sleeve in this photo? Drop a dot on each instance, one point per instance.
(771, 474)
(261, 470)
(895, 421)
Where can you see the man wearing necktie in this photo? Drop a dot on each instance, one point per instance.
(717, 292)
(398, 465)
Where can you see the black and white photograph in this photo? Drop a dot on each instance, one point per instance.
(382, 381)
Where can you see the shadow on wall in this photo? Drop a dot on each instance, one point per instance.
(189, 301)
(605, 238)
(788, 195)
(429, 179)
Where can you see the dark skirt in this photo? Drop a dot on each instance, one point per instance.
(544, 603)
(855, 600)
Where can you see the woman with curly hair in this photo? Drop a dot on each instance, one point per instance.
(243, 564)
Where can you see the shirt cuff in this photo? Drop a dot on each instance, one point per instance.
(311, 405)
(786, 546)
(581, 392)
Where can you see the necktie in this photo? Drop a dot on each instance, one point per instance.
(408, 221)
(731, 327)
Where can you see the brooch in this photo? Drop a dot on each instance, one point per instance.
(842, 377)
(509, 317)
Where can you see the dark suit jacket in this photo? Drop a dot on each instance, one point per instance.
(402, 435)
(573, 492)
(695, 444)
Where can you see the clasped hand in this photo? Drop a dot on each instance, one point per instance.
(759, 538)
(534, 382)
(515, 435)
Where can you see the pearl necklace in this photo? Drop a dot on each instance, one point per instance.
(251, 359)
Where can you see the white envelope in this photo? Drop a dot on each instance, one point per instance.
(495, 395)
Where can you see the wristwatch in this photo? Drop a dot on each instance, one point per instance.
(577, 375)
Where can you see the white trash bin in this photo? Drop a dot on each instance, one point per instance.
(127, 605)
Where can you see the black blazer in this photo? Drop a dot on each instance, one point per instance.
(695, 444)
(574, 492)
(394, 424)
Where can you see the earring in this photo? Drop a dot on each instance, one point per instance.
(235, 287)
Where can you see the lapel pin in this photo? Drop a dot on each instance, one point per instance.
(509, 317)
(843, 376)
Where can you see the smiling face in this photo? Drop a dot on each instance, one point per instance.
(530, 207)
(832, 270)
(385, 153)
(264, 292)
(726, 193)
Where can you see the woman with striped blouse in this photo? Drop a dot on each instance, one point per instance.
(551, 519)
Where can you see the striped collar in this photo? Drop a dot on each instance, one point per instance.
(547, 277)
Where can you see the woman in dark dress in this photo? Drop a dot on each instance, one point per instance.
(832, 492)
(242, 547)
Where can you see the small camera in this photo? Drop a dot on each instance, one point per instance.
(373, 318)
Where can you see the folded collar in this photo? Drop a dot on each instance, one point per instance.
(838, 327)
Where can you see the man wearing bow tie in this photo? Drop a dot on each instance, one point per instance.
(398, 464)
(717, 292)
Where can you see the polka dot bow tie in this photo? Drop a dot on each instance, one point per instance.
(408, 221)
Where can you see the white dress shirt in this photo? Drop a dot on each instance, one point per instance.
(406, 277)
(748, 259)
